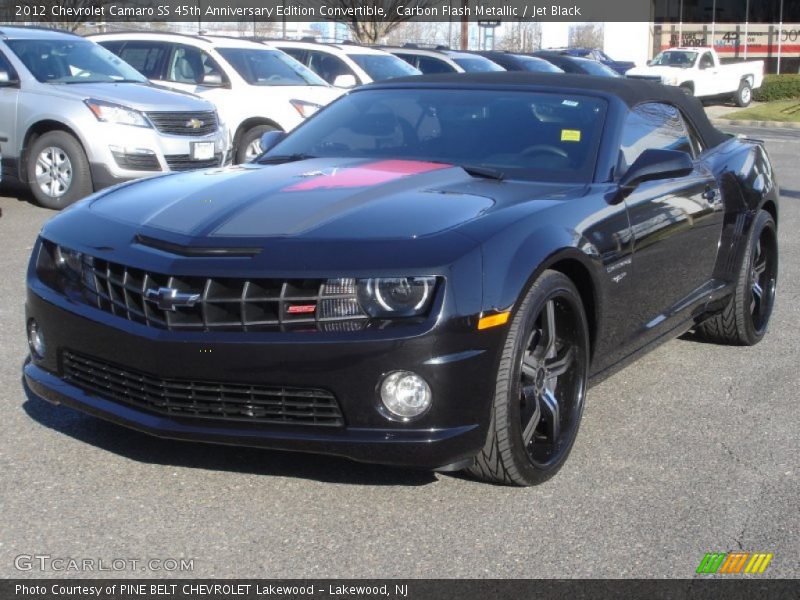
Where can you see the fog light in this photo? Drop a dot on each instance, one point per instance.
(35, 339)
(405, 395)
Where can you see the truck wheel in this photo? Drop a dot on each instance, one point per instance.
(744, 94)
(58, 170)
(250, 143)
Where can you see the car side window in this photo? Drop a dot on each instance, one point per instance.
(428, 64)
(146, 57)
(706, 61)
(328, 66)
(296, 53)
(6, 66)
(191, 65)
(653, 125)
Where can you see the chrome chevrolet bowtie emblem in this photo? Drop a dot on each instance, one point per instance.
(195, 123)
(170, 298)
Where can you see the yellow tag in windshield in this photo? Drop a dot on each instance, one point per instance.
(570, 135)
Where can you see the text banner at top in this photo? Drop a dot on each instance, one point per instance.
(324, 10)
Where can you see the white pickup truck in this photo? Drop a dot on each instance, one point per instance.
(698, 72)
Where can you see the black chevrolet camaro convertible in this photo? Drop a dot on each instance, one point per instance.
(430, 272)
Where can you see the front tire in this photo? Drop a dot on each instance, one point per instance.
(744, 320)
(541, 386)
(744, 94)
(58, 170)
(249, 146)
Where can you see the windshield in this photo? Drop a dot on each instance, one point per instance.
(477, 64)
(526, 135)
(384, 66)
(72, 61)
(269, 67)
(675, 58)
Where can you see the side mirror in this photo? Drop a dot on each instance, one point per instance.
(6, 80)
(655, 164)
(212, 80)
(649, 63)
(345, 81)
(270, 139)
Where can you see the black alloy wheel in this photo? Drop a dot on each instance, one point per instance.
(745, 318)
(541, 386)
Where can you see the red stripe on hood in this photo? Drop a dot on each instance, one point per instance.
(365, 175)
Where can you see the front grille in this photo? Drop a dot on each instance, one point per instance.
(220, 401)
(222, 304)
(184, 162)
(654, 78)
(184, 123)
(137, 162)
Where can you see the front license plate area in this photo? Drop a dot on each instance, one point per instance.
(202, 150)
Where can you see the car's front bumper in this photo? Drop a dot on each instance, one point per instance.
(458, 367)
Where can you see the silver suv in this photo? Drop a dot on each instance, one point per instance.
(75, 118)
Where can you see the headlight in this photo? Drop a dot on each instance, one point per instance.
(306, 109)
(69, 262)
(116, 113)
(396, 296)
(59, 268)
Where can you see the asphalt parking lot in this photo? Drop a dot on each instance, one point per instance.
(692, 449)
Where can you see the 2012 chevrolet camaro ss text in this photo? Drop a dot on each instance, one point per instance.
(429, 272)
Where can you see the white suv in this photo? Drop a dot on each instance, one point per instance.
(347, 65)
(255, 87)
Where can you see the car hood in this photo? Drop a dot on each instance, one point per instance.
(324, 199)
(139, 96)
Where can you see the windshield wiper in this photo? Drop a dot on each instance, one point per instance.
(285, 158)
(484, 172)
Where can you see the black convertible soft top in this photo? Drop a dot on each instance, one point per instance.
(630, 91)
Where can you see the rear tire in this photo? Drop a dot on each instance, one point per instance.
(249, 146)
(744, 95)
(57, 170)
(743, 322)
(541, 387)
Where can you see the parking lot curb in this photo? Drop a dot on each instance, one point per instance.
(775, 124)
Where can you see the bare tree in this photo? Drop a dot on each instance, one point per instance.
(586, 35)
(521, 37)
(375, 28)
(418, 32)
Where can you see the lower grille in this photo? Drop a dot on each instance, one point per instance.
(237, 402)
(184, 162)
(137, 162)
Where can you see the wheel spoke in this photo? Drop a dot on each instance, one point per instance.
(757, 291)
(43, 178)
(529, 394)
(43, 162)
(529, 367)
(759, 268)
(550, 408)
(549, 327)
(561, 363)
